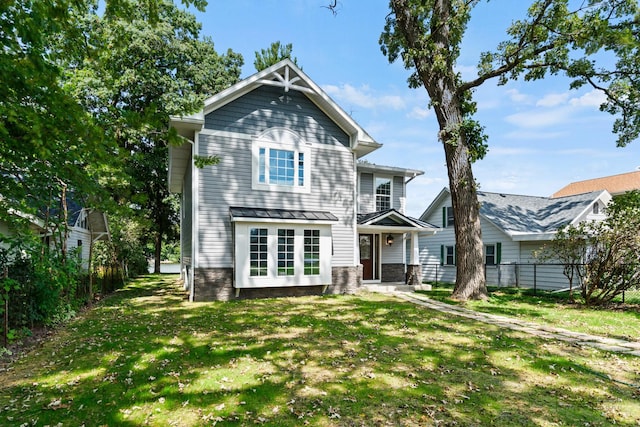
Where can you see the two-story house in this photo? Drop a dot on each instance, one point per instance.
(288, 210)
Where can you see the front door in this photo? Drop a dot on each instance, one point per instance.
(368, 256)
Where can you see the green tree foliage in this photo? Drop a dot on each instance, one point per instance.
(556, 37)
(143, 62)
(274, 54)
(47, 140)
(603, 255)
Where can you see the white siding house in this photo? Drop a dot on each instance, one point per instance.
(514, 228)
(85, 227)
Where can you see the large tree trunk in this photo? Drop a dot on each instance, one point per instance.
(158, 252)
(439, 79)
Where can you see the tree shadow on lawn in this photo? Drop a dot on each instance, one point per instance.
(145, 356)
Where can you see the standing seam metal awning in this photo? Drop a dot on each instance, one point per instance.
(265, 214)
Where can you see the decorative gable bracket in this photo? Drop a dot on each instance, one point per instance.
(286, 81)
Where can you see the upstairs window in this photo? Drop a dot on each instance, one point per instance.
(447, 217)
(383, 193)
(281, 163)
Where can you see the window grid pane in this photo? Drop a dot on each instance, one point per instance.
(258, 252)
(311, 252)
(383, 194)
(281, 167)
(285, 252)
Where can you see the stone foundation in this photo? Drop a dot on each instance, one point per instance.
(392, 273)
(213, 284)
(345, 280)
(216, 284)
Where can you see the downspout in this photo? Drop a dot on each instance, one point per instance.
(194, 215)
(356, 248)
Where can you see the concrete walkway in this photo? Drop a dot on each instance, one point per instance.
(542, 331)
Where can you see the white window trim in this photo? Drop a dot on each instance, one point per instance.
(272, 280)
(375, 190)
(280, 139)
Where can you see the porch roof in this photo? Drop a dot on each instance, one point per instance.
(279, 215)
(391, 220)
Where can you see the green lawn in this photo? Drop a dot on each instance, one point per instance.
(144, 356)
(618, 321)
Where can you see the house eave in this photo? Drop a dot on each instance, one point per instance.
(391, 170)
(532, 237)
(179, 156)
(394, 229)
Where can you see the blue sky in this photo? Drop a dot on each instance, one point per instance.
(541, 135)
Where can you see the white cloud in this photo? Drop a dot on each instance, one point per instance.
(364, 97)
(516, 96)
(539, 119)
(589, 99)
(511, 151)
(553, 100)
(534, 135)
(468, 72)
(419, 113)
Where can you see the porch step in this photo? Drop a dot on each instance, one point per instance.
(394, 287)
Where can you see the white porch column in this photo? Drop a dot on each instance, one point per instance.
(414, 258)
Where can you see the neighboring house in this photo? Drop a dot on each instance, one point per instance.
(86, 226)
(279, 215)
(614, 184)
(514, 228)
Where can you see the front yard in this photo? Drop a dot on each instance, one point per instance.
(145, 356)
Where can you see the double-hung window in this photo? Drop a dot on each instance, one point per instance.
(447, 255)
(492, 253)
(383, 193)
(447, 217)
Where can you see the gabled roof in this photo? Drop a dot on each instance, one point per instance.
(393, 220)
(284, 74)
(614, 184)
(525, 215)
(529, 217)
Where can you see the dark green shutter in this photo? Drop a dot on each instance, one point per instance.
(441, 254)
(444, 217)
(498, 252)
